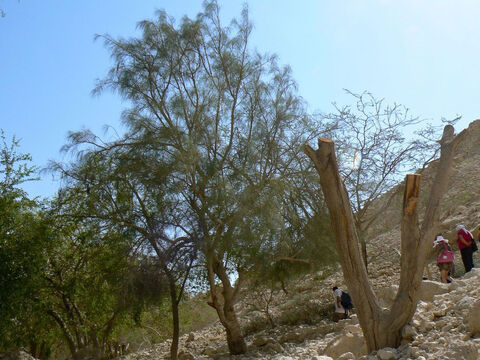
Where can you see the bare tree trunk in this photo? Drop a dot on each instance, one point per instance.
(382, 327)
(175, 318)
(225, 309)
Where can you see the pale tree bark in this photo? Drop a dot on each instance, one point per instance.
(381, 326)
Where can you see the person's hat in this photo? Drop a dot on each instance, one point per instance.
(439, 240)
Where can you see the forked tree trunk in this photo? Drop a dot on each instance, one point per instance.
(382, 327)
(225, 306)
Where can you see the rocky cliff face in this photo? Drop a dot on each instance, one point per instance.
(447, 321)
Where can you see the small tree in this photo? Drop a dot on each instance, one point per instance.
(125, 189)
(382, 327)
(23, 240)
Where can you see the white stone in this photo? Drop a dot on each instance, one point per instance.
(440, 312)
(465, 303)
(409, 332)
(348, 342)
(347, 356)
(386, 354)
(473, 319)
(262, 340)
(465, 351)
(475, 272)
(356, 329)
(429, 289)
(387, 295)
(275, 347)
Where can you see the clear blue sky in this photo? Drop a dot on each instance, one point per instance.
(423, 54)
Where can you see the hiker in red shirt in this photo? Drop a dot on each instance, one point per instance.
(464, 240)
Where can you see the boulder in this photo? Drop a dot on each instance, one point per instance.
(347, 356)
(274, 347)
(386, 295)
(440, 311)
(386, 354)
(429, 289)
(345, 343)
(408, 332)
(355, 329)
(466, 351)
(297, 336)
(475, 272)
(473, 319)
(262, 340)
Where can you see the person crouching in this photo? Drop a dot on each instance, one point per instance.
(340, 313)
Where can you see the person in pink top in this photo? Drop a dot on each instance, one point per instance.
(444, 258)
(464, 240)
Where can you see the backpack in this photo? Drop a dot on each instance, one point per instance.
(474, 244)
(346, 301)
(446, 256)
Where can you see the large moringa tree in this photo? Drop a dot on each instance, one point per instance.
(230, 123)
(382, 327)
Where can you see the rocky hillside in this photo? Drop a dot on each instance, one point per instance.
(445, 326)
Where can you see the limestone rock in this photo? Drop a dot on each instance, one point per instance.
(274, 347)
(473, 319)
(355, 329)
(464, 351)
(344, 343)
(475, 272)
(296, 336)
(429, 289)
(347, 356)
(387, 295)
(262, 340)
(408, 332)
(386, 354)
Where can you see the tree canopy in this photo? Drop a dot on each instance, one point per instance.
(215, 130)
